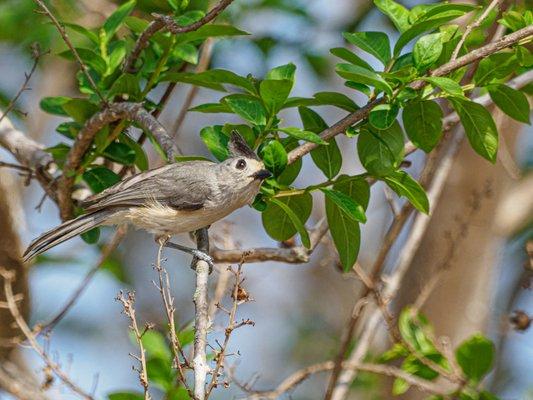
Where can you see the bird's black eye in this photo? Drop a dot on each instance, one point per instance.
(241, 164)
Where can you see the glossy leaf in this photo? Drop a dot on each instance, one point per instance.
(351, 57)
(327, 158)
(422, 121)
(209, 30)
(375, 43)
(274, 156)
(381, 152)
(496, 66)
(397, 13)
(511, 101)
(303, 135)
(344, 230)
(383, 116)
(295, 220)
(346, 204)
(447, 85)
(216, 141)
(100, 178)
(283, 72)
(335, 99)
(248, 107)
(278, 223)
(479, 127)
(475, 356)
(427, 50)
(120, 153)
(361, 75)
(406, 186)
(114, 21)
(54, 105)
(274, 93)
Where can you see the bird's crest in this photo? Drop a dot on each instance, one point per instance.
(238, 147)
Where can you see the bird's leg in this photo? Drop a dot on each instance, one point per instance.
(198, 254)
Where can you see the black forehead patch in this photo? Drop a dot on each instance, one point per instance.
(239, 148)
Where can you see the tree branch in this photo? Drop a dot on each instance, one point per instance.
(445, 69)
(112, 113)
(201, 320)
(167, 22)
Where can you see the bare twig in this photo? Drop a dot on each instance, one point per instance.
(128, 303)
(201, 320)
(36, 55)
(168, 303)
(112, 113)
(106, 252)
(167, 22)
(9, 277)
(475, 24)
(69, 44)
(445, 69)
(298, 377)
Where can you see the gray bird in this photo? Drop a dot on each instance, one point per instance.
(165, 201)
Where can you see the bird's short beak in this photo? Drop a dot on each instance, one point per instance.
(262, 174)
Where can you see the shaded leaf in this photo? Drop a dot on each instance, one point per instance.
(295, 220)
(346, 204)
(275, 158)
(303, 134)
(351, 57)
(361, 75)
(383, 116)
(278, 224)
(114, 21)
(375, 43)
(248, 107)
(381, 152)
(422, 121)
(511, 101)
(216, 141)
(475, 356)
(406, 186)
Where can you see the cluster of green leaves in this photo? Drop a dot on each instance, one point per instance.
(159, 361)
(381, 139)
(474, 356)
(104, 51)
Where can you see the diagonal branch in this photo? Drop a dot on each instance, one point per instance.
(167, 22)
(112, 113)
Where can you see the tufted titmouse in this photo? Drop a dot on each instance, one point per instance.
(176, 198)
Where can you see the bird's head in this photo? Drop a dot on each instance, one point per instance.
(243, 168)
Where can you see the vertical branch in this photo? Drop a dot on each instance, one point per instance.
(201, 321)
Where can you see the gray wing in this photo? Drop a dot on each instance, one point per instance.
(183, 186)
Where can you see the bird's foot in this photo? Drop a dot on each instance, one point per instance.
(200, 255)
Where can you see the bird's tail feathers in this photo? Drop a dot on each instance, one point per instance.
(64, 232)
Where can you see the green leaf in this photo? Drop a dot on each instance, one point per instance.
(400, 386)
(127, 87)
(211, 108)
(511, 101)
(189, 17)
(248, 107)
(114, 21)
(155, 345)
(80, 109)
(216, 141)
(121, 153)
(361, 75)
(91, 236)
(186, 52)
(404, 185)
(116, 56)
(381, 152)
(339, 100)
(495, 66)
(303, 134)
(282, 225)
(69, 129)
(427, 50)
(244, 130)
(327, 158)
(283, 72)
(54, 105)
(418, 29)
(413, 329)
(295, 220)
(212, 79)
(291, 171)
(479, 127)
(375, 43)
(93, 37)
(351, 57)
(425, 12)
(209, 30)
(141, 160)
(100, 178)
(59, 152)
(274, 93)
(344, 230)
(397, 13)
(125, 396)
(475, 356)
(89, 57)
(275, 158)
(136, 24)
(447, 85)
(383, 116)
(422, 121)
(346, 204)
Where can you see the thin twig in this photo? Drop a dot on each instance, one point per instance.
(475, 24)
(69, 44)
(9, 277)
(128, 303)
(167, 22)
(168, 303)
(36, 55)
